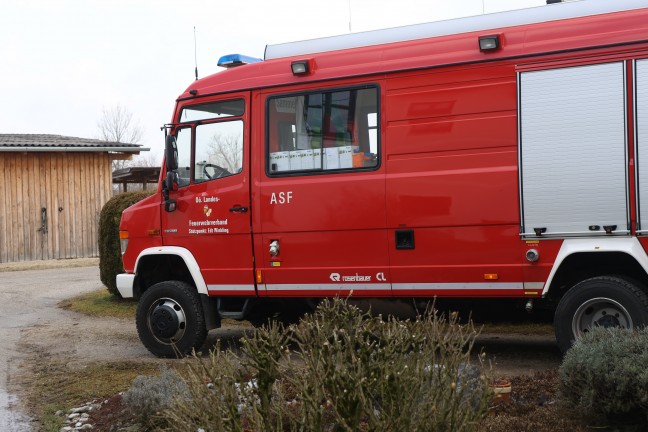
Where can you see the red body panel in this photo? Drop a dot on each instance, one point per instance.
(448, 172)
(142, 221)
(518, 41)
(333, 223)
(203, 223)
(221, 243)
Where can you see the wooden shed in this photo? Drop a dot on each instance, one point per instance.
(52, 189)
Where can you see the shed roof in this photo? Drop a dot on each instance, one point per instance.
(136, 175)
(59, 143)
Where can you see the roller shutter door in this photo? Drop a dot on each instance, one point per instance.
(641, 128)
(573, 150)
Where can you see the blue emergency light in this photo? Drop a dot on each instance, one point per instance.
(233, 60)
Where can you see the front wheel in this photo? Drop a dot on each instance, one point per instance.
(170, 319)
(604, 301)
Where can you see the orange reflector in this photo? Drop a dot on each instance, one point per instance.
(123, 235)
(530, 292)
(259, 276)
(153, 232)
(491, 276)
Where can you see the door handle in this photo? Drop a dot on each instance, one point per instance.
(238, 209)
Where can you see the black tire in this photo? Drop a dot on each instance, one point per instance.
(606, 301)
(170, 319)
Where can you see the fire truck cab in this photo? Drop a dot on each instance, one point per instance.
(495, 156)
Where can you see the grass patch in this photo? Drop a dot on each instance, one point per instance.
(58, 387)
(101, 303)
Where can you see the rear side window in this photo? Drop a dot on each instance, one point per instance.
(323, 132)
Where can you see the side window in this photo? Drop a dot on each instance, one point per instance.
(325, 131)
(212, 110)
(183, 141)
(219, 150)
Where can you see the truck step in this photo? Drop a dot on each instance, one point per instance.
(233, 308)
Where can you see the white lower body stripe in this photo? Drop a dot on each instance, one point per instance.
(408, 286)
(459, 286)
(241, 288)
(329, 287)
(450, 286)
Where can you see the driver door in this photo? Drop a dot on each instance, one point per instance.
(212, 219)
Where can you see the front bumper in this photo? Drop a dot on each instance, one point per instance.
(125, 283)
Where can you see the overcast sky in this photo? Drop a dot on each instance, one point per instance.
(62, 62)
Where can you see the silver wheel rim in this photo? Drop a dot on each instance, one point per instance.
(601, 312)
(179, 314)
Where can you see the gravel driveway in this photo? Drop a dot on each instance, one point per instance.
(33, 328)
(31, 322)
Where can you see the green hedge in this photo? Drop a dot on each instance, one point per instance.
(110, 260)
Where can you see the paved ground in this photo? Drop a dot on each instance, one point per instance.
(28, 300)
(33, 328)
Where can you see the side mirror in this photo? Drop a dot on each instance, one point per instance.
(171, 153)
(170, 184)
(172, 181)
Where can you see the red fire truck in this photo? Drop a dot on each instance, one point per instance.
(495, 156)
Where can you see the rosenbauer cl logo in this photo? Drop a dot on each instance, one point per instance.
(336, 277)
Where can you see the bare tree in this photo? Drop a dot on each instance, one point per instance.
(116, 125)
(150, 160)
(226, 151)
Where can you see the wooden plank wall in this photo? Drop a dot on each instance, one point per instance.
(71, 187)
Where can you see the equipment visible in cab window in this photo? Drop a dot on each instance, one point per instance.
(328, 131)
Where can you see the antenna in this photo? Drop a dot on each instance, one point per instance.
(350, 17)
(195, 53)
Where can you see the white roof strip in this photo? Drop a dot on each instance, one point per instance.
(455, 26)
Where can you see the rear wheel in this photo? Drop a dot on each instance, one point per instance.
(170, 319)
(604, 301)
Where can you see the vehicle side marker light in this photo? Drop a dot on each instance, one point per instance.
(489, 43)
(300, 67)
(491, 276)
(259, 277)
(123, 241)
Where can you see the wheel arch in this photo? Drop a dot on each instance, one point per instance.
(158, 264)
(580, 259)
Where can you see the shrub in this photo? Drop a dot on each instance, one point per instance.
(216, 397)
(340, 370)
(604, 372)
(149, 396)
(110, 260)
(387, 375)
